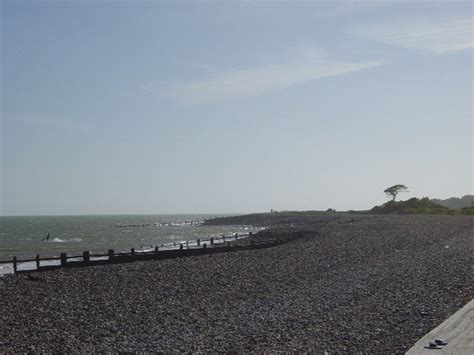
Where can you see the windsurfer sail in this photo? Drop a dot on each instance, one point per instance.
(48, 235)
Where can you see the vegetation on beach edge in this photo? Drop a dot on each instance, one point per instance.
(411, 206)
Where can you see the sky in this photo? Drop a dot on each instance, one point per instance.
(152, 107)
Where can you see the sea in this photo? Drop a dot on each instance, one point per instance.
(49, 236)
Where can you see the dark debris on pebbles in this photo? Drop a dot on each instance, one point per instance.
(372, 285)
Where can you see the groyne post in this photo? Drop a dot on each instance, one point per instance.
(63, 258)
(236, 236)
(86, 256)
(15, 264)
(37, 262)
(111, 254)
(199, 242)
(212, 240)
(132, 252)
(250, 234)
(223, 239)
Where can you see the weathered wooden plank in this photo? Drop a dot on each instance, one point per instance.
(63, 259)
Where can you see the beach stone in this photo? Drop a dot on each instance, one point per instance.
(338, 287)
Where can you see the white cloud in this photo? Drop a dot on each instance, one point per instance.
(242, 83)
(435, 36)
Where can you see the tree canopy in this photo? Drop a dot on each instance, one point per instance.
(394, 190)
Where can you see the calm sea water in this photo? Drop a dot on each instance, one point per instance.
(24, 237)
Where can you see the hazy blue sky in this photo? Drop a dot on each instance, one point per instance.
(166, 107)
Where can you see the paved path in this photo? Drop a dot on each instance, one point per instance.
(457, 330)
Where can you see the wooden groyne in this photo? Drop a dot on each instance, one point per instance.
(213, 245)
(192, 222)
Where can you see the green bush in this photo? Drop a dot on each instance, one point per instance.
(465, 210)
(411, 206)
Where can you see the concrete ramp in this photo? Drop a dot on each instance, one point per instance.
(457, 330)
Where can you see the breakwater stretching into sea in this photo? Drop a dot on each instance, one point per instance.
(26, 236)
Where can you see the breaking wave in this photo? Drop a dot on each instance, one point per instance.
(59, 240)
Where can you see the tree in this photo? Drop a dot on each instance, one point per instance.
(393, 191)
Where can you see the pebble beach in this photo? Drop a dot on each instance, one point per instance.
(340, 284)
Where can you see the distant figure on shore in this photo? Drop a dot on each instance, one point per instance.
(47, 236)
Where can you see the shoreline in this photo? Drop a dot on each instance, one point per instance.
(25, 239)
(373, 284)
(29, 265)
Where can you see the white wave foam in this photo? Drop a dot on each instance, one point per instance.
(59, 240)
